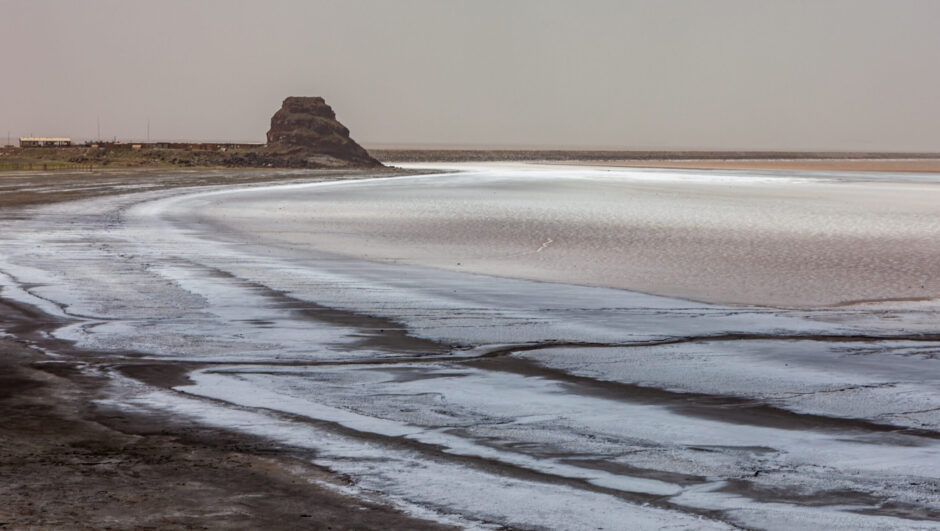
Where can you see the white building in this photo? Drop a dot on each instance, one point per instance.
(40, 141)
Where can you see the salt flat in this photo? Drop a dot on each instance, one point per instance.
(532, 346)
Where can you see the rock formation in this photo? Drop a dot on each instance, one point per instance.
(305, 133)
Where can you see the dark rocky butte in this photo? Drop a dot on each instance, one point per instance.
(305, 133)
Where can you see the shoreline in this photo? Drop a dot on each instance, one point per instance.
(754, 160)
(185, 466)
(861, 165)
(70, 461)
(194, 158)
(37, 187)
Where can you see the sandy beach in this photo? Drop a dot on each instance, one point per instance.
(579, 346)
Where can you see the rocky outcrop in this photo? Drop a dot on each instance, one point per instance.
(305, 133)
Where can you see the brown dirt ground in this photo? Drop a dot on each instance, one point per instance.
(29, 188)
(66, 465)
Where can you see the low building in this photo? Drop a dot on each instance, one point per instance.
(41, 141)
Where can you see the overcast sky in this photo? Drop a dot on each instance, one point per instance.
(724, 74)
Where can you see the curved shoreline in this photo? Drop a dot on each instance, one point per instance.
(222, 295)
(69, 462)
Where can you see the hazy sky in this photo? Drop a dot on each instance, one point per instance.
(788, 74)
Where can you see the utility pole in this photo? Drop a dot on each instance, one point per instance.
(148, 130)
(98, 139)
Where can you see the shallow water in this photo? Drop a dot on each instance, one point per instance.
(766, 239)
(338, 317)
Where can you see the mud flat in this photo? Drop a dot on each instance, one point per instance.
(70, 463)
(496, 345)
(67, 465)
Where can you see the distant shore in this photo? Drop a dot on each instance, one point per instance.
(879, 165)
(832, 161)
(86, 158)
(172, 155)
(21, 188)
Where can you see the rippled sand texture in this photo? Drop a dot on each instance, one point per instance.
(767, 239)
